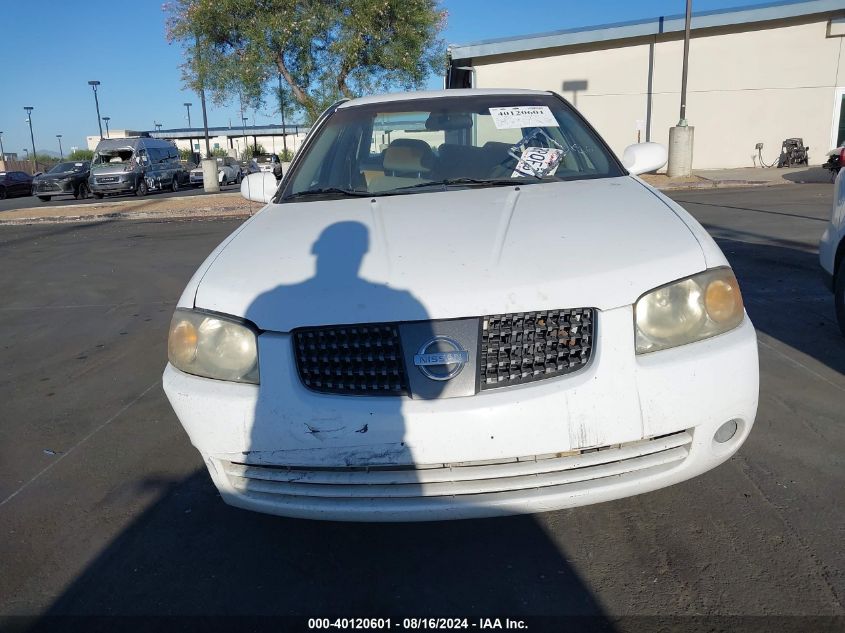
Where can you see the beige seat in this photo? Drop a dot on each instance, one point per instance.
(407, 161)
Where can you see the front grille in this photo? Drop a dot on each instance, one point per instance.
(358, 359)
(514, 349)
(527, 346)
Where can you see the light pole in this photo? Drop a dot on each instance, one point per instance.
(188, 107)
(107, 119)
(29, 110)
(244, 119)
(681, 136)
(2, 151)
(94, 83)
(61, 153)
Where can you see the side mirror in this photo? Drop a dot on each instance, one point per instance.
(642, 158)
(260, 187)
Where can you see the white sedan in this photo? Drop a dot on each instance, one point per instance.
(460, 304)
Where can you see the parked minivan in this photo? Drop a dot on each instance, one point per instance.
(134, 165)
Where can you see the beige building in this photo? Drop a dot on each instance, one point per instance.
(756, 75)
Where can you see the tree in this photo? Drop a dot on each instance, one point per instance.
(252, 150)
(81, 154)
(324, 49)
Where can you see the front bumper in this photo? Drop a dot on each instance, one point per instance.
(53, 188)
(282, 449)
(827, 255)
(123, 184)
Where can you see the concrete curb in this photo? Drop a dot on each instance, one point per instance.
(188, 214)
(721, 184)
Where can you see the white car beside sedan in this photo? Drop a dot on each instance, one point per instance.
(228, 172)
(460, 304)
(832, 250)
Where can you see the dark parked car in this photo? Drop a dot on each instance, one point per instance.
(15, 183)
(65, 179)
(184, 174)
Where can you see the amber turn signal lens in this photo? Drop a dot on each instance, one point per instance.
(723, 301)
(182, 343)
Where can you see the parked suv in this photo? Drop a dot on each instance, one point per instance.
(65, 179)
(134, 165)
(832, 250)
(228, 171)
(270, 163)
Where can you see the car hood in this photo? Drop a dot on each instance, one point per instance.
(60, 176)
(589, 243)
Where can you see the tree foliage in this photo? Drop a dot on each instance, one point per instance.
(81, 154)
(324, 49)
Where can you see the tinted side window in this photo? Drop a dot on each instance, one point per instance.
(155, 155)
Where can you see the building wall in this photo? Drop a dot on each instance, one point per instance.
(765, 84)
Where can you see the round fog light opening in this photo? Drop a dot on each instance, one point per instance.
(726, 431)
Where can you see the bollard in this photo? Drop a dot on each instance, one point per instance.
(210, 183)
(680, 151)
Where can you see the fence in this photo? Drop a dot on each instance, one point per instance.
(27, 166)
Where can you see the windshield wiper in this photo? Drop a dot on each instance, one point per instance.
(448, 182)
(327, 191)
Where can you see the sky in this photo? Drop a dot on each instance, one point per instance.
(123, 45)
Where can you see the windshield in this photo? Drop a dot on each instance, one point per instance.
(111, 156)
(420, 145)
(63, 167)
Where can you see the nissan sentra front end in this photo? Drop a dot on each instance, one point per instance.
(481, 346)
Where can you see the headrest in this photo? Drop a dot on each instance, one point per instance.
(408, 155)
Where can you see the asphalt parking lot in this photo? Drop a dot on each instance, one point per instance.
(29, 202)
(106, 509)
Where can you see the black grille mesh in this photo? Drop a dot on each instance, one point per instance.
(356, 359)
(526, 346)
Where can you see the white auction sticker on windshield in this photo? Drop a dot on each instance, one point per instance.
(523, 116)
(538, 162)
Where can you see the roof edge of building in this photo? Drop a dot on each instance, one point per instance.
(641, 28)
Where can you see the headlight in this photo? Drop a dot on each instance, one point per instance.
(213, 347)
(688, 310)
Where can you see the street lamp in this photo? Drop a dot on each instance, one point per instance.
(29, 110)
(61, 153)
(188, 107)
(681, 136)
(94, 85)
(2, 151)
(107, 119)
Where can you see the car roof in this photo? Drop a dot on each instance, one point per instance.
(435, 94)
